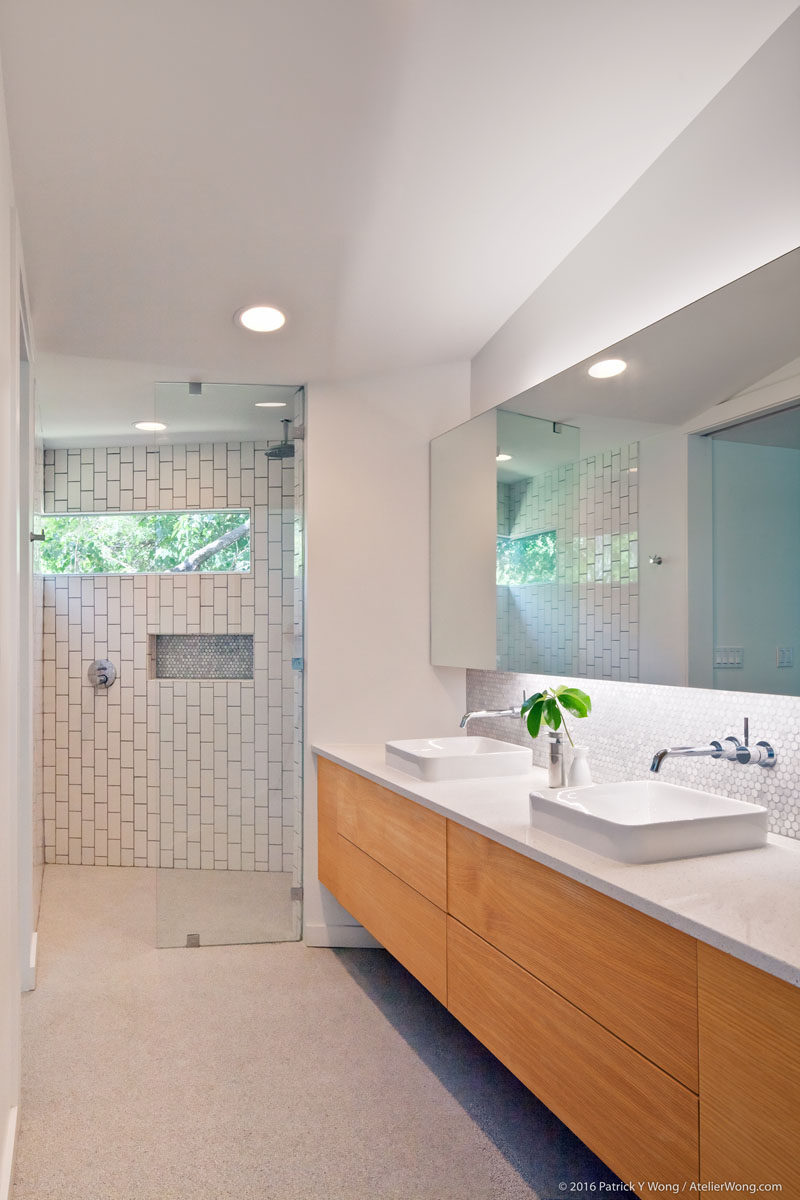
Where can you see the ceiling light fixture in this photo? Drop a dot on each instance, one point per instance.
(149, 426)
(503, 458)
(260, 318)
(270, 404)
(607, 367)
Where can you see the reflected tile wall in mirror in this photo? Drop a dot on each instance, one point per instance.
(586, 621)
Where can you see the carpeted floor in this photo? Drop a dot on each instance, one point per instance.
(273, 1072)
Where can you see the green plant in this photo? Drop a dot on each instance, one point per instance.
(547, 707)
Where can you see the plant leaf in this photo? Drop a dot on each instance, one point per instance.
(575, 701)
(529, 703)
(552, 713)
(534, 719)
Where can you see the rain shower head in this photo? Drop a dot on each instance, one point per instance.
(286, 448)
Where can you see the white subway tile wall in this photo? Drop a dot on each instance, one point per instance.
(171, 772)
(630, 721)
(587, 621)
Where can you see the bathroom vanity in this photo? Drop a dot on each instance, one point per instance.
(655, 1009)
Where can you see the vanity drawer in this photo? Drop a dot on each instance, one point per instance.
(409, 926)
(407, 839)
(749, 1074)
(638, 1119)
(633, 974)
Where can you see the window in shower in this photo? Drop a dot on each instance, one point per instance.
(530, 559)
(136, 543)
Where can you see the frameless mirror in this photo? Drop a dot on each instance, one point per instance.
(597, 527)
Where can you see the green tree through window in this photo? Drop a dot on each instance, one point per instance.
(145, 542)
(530, 559)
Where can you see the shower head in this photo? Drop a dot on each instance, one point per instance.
(286, 448)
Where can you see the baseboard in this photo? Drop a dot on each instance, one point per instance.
(29, 971)
(7, 1155)
(339, 935)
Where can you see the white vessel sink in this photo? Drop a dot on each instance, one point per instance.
(649, 821)
(434, 759)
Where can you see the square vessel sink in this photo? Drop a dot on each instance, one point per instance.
(649, 821)
(434, 759)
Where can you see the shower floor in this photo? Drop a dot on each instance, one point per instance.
(225, 907)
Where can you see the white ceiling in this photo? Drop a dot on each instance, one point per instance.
(398, 175)
(697, 357)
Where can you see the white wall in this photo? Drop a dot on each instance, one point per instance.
(723, 199)
(9, 620)
(367, 639)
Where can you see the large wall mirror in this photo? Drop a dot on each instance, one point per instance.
(642, 526)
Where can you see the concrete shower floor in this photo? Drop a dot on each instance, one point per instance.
(270, 1072)
(224, 908)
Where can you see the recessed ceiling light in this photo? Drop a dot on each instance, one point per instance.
(607, 367)
(261, 318)
(270, 404)
(149, 426)
(503, 458)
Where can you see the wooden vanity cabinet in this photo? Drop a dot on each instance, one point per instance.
(384, 858)
(635, 1117)
(594, 1005)
(634, 975)
(749, 1073)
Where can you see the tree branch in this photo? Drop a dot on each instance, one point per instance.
(200, 556)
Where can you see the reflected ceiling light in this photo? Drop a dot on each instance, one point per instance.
(503, 458)
(607, 367)
(270, 404)
(261, 318)
(149, 426)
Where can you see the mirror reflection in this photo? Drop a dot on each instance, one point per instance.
(635, 526)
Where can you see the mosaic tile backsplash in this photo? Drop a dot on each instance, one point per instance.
(204, 656)
(172, 772)
(587, 620)
(630, 721)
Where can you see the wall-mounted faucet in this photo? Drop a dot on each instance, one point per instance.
(730, 749)
(491, 712)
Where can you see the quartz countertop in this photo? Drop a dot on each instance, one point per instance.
(746, 903)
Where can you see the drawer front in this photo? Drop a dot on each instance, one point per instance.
(407, 839)
(639, 1120)
(633, 974)
(409, 926)
(327, 837)
(749, 1074)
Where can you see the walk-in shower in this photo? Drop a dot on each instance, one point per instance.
(177, 557)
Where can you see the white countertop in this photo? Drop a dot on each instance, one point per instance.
(746, 903)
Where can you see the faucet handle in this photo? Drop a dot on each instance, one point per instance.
(762, 754)
(730, 748)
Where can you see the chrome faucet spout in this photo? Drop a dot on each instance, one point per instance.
(488, 712)
(714, 750)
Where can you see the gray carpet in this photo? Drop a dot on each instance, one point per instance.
(271, 1072)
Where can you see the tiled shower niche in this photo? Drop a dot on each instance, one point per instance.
(201, 656)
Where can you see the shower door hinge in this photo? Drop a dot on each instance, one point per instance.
(296, 893)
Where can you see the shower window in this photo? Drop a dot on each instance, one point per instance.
(136, 543)
(530, 559)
